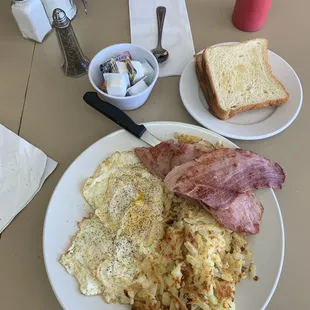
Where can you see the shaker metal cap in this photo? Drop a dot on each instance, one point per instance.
(60, 19)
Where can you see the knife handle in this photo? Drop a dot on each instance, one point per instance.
(114, 114)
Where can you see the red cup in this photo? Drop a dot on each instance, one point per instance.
(250, 15)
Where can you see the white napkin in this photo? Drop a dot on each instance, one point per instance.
(177, 35)
(23, 170)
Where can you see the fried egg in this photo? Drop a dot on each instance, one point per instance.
(128, 205)
(89, 247)
(96, 185)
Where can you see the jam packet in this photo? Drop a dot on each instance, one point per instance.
(132, 72)
(123, 56)
(109, 66)
(102, 86)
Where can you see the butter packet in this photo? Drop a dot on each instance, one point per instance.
(139, 87)
(116, 83)
(121, 66)
(148, 71)
(140, 71)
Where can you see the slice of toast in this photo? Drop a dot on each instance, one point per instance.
(237, 78)
(205, 84)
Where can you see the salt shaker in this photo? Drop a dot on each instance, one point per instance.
(250, 15)
(31, 19)
(75, 62)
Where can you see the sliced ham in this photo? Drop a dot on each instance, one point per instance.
(216, 178)
(220, 180)
(242, 215)
(162, 158)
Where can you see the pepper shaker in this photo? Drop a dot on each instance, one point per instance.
(75, 62)
(67, 5)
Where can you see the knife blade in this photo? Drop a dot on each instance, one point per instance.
(120, 118)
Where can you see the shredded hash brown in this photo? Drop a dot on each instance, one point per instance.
(196, 266)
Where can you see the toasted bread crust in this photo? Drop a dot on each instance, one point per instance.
(205, 84)
(201, 78)
(214, 107)
(208, 88)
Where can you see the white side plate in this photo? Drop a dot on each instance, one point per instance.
(250, 125)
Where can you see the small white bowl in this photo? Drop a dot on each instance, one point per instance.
(138, 53)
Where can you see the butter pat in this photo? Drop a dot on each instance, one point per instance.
(137, 88)
(148, 72)
(116, 83)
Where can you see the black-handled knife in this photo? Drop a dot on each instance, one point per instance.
(120, 118)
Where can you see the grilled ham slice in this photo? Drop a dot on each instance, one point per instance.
(242, 215)
(217, 177)
(220, 180)
(162, 158)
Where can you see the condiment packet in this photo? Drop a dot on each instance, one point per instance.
(122, 68)
(116, 83)
(109, 65)
(123, 56)
(140, 71)
(132, 72)
(102, 86)
(120, 64)
(139, 87)
(149, 72)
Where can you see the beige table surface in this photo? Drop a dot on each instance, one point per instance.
(46, 108)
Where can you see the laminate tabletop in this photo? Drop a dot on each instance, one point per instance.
(45, 107)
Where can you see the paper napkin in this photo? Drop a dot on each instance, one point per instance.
(177, 35)
(23, 170)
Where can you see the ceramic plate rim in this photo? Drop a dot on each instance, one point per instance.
(150, 124)
(217, 128)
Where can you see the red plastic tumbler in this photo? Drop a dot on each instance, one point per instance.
(250, 15)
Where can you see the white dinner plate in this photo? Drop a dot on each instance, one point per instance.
(250, 125)
(67, 207)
